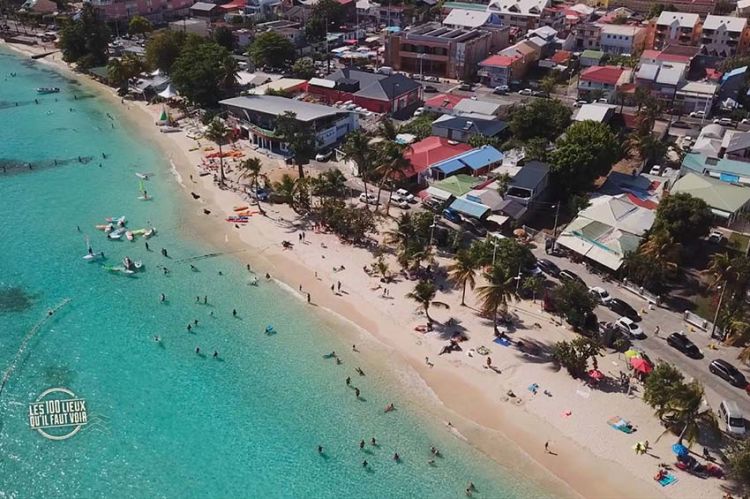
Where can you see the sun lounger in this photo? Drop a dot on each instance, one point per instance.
(669, 479)
(618, 423)
(502, 341)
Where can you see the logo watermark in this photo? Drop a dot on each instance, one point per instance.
(57, 414)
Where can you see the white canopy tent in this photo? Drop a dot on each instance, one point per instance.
(168, 93)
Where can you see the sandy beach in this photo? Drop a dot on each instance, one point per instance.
(585, 457)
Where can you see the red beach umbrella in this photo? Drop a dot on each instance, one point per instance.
(596, 374)
(641, 365)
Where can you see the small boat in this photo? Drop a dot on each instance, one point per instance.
(138, 232)
(129, 235)
(143, 176)
(116, 234)
(90, 255)
(104, 227)
(237, 219)
(150, 232)
(117, 220)
(138, 265)
(169, 129)
(117, 269)
(47, 90)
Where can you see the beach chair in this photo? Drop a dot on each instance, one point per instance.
(620, 424)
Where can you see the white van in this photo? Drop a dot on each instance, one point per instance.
(732, 418)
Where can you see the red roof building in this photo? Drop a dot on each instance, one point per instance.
(561, 57)
(442, 103)
(429, 151)
(603, 75)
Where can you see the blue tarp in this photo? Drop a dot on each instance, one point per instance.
(476, 159)
(469, 208)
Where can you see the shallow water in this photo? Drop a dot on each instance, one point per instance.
(164, 421)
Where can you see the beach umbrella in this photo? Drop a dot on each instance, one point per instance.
(641, 365)
(680, 450)
(519, 232)
(632, 353)
(164, 116)
(596, 374)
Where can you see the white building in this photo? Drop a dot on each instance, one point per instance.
(676, 28)
(621, 39)
(696, 96)
(722, 35)
(522, 14)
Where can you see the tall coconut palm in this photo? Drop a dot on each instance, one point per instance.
(424, 294)
(663, 249)
(250, 169)
(357, 148)
(298, 137)
(688, 410)
(218, 132)
(387, 129)
(463, 272)
(392, 166)
(229, 70)
(287, 190)
(495, 294)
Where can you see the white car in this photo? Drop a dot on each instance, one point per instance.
(698, 114)
(419, 111)
(406, 196)
(525, 91)
(629, 328)
(402, 203)
(323, 156)
(369, 199)
(655, 170)
(600, 294)
(724, 122)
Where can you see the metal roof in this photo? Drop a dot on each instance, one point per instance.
(470, 208)
(530, 175)
(476, 159)
(717, 194)
(276, 106)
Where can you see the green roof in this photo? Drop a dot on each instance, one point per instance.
(100, 71)
(592, 54)
(718, 195)
(465, 6)
(458, 185)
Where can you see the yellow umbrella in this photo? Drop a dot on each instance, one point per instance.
(632, 353)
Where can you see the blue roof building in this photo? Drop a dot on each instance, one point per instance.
(726, 170)
(474, 162)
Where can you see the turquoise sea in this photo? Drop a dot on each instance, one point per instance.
(164, 421)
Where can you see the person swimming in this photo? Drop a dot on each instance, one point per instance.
(162, 297)
(396, 457)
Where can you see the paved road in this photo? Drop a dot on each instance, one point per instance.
(669, 321)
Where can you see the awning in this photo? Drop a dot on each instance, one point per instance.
(168, 92)
(498, 219)
(440, 194)
(469, 208)
(320, 82)
(449, 166)
(607, 258)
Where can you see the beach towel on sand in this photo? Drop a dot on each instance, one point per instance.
(668, 480)
(618, 423)
(502, 341)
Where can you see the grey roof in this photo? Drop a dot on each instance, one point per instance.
(274, 105)
(477, 107)
(488, 128)
(375, 85)
(512, 208)
(203, 6)
(530, 175)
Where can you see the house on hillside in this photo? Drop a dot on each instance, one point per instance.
(462, 129)
(604, 80)
(474, 162)
(727, 201)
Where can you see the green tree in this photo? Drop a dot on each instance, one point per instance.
(421, 126)
(647, 272)
(202, 72)
(424, 294)
(303, 68)
(738, 463)
(223, 36)
(478, 140)
(462, 272)
(574, 355)
(326, 15)
(687, 412)
(391, 167)
(139, 25)
(548, 83)
(495, 294)
(298, 138)
(163, 49)
(661, 248)
(119, 71)
(684, 217)
(587, 151)
(286, 189)
(662, 385)
(250, 169)
(357, 148)
(85, 40)
(573, 300)
(270, 49)
(546, 118)
(533, 285)
(219, 133)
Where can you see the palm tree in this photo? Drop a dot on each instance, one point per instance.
(535, 284)
(392, 165)
(299, 138)
(357, 148)
(662, 248)
(250, 168)
(330, 184)
(218, 132)
(229, 73)
(381, 266)
(387, 129)
(462, 272)
(287, 190)
(424, 294)
(495, 294)
(687, 409)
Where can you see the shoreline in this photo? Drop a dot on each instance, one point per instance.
(459, 386)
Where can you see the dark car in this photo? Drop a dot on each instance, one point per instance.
(466, 87)
(452, 216)
(475, 227)
(430, 89)
(548, 267)
(567, 275)
(621, 308)
(684, 345)
(728, 372)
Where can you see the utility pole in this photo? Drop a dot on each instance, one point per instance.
(554, 229)
(718, 308)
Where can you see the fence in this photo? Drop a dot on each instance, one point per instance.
(640, 291)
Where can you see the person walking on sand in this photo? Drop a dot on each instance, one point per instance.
(489, 362)
(338, 285)
(356, 392)
(308, 297)
(546, 447)
(348, 381)
(656, 331)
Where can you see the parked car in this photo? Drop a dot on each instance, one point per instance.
(406, 196)
(539, 93)
(548, 267)
(419, 111)
(580, 102)
(466, 87)
(629, 328)
(602, 100)
(698, 114)
(501, 90)
(655, 170)
(724, 122)
(323, 156)
(402, 203)
(683, 344)
(432, 204)
(600, 294)
(727, 372)
(620, 307)
(567, 275)
(525, 91)
(681, 124)
(429, 89)
(731, 416)
(368, 199)
(452, 216)
(745, 121)
(716, 237)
